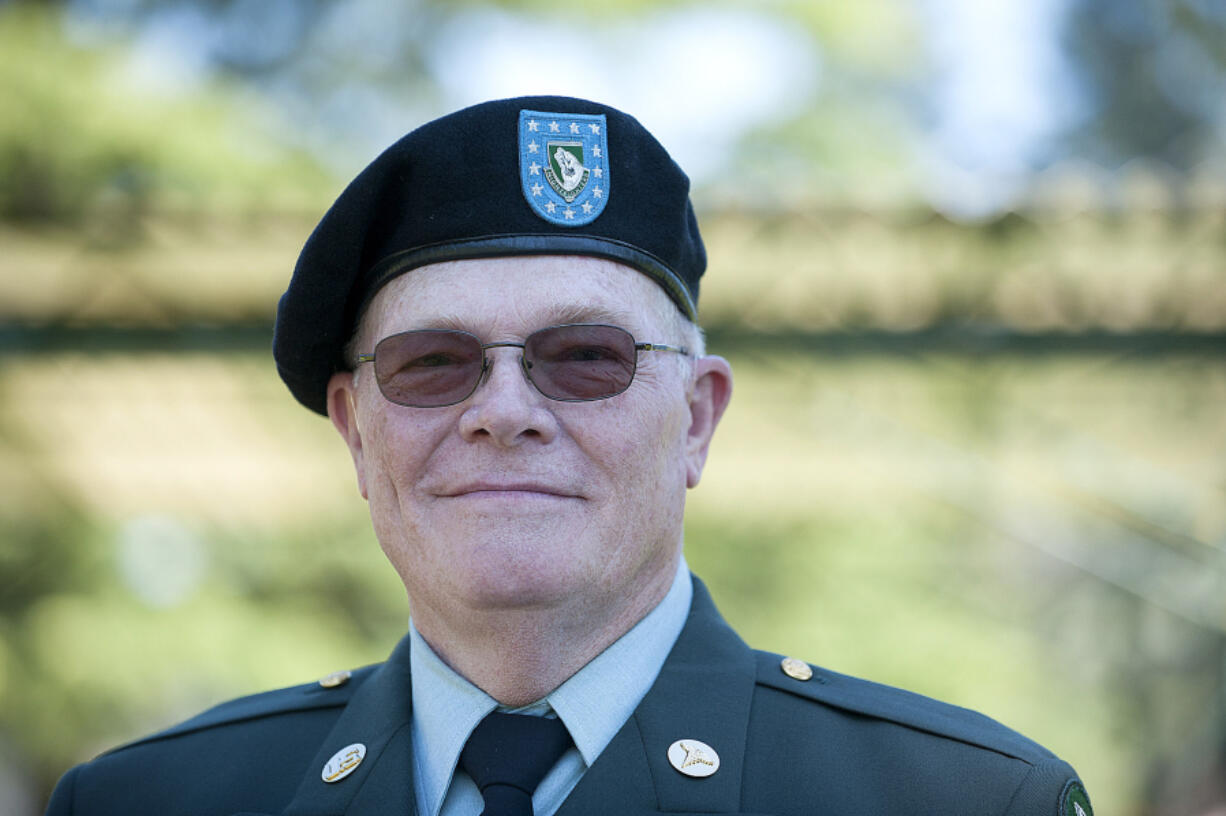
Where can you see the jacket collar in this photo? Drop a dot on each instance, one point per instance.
(703, 692)
(377, 716)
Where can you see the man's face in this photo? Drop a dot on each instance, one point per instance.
(510, 500)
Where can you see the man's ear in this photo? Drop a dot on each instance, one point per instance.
(342, 410)
(708, 399)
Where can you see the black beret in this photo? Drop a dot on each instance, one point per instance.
(528, 176)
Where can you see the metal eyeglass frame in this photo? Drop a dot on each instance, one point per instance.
(525, 366)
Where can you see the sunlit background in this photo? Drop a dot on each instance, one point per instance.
(968, 260)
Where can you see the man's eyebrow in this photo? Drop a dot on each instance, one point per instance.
(554, 316)
(443, 322)
(587, 314)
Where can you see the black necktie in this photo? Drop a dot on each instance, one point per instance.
(508, 755)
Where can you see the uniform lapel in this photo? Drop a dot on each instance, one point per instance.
(703, 692)
(378, 717)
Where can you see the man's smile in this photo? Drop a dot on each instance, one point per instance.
(508, 489)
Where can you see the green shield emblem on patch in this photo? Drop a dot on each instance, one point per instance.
(565, 171)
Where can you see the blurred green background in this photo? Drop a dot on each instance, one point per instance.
(968, 261)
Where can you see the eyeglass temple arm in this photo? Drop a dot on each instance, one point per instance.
(661, 347)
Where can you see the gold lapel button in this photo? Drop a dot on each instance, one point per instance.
(796, 669)
(336, 678)
(343, 762)
(693, 758)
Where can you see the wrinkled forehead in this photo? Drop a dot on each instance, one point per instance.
(514, 296)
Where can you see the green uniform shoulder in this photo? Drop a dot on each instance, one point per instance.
(332, 691)
(1048, 784)
(895, 705)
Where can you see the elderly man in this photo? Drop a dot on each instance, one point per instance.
(498, 317)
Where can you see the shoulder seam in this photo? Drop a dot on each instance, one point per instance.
(185, 729)
(822, 689)
(214, 717)
(1020, 785)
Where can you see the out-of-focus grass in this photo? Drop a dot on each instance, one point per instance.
(934, 522)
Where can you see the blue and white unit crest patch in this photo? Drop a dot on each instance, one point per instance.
(564, 165)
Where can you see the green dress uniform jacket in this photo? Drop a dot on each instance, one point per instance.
(828, 744)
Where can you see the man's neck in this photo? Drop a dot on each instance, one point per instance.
(518, 656)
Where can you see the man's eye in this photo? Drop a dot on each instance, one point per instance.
(584, 354)
(434, 360)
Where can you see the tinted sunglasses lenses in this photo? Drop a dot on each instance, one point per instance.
(428, 368)
(577, 363)
(431, 368)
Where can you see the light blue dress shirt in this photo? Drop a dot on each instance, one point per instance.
(593, 703)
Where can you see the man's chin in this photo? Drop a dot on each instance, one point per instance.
(511, 593)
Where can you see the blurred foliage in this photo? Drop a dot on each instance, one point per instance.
(335, 71)
(1038, 536)
(1151, 74)
(1142, 81)
(79, 136)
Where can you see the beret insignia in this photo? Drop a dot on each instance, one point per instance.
(564, 165)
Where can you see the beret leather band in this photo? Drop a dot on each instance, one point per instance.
(495, 246)
(541, 175)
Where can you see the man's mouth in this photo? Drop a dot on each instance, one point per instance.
(509, 489)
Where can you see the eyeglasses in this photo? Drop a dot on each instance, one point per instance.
(577, 362)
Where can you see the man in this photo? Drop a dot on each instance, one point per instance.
(497, 316)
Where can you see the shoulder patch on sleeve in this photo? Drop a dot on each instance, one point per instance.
(1074, 801)
(902, 707)
(279, 701)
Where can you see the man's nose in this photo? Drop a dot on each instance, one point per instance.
(506, 408)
